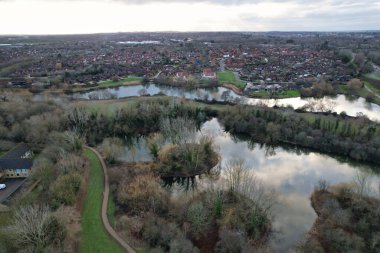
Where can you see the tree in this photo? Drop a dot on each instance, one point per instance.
(35, 228)
(236, 171)
(178, 130)
(355, 84)
(362, 183)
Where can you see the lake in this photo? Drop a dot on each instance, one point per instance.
(291, 172)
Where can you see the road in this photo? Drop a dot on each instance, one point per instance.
(222, 65)
(12, 186)
(105, 220)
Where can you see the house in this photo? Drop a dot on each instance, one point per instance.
(17, 163)
(208, 74)
(182, 76)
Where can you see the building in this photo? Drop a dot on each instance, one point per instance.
(184, 76)
(17, 163)
(208, 74)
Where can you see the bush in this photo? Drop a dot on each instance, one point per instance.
(342, 241)
(144, 193)
(230, 242)
(198, 216)
(111, 148)
(65, 188)
(166, 236)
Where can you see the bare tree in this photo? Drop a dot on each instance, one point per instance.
(236, 172)
(178, 130)
(78, 119)
(362, 183)
(241, 179)
(34, 228)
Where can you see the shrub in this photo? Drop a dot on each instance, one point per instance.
(230, 242)
(65, 188)
(111, 148)
(166, 236)
(198, 216)
(144, 193)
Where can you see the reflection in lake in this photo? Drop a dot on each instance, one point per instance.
(292, 172)
(337, 104)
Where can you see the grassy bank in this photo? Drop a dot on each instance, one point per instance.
(229, 77)
(275, 95)
(122, 81)
(94, 237)
(363, 92)
(372, 87)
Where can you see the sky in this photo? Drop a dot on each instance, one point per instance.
(101, 16)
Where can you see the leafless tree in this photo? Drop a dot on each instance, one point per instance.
(362, 184)
(78, 118)
(178, 130)
(241, 179)
(34, 228)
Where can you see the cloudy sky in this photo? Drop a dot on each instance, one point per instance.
(95, 16)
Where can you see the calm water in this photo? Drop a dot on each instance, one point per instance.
(291, 172)
(336, 104)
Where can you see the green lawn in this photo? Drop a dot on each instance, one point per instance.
(94, 238)
(279, 95)
(343, 89)
(229, 77)
(372, 87)
(110, 83)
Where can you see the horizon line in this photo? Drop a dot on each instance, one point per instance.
(130, 32)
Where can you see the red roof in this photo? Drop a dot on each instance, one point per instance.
(208, 72)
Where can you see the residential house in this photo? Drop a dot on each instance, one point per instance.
(208, 74)
(17, 163)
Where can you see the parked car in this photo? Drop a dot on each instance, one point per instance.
(2, 186)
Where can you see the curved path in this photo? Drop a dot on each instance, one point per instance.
(105, 220)
(371, 91)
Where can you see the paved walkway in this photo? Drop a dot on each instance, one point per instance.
(105, 220)
(377, 95)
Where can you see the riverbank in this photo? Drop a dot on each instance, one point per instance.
(369, 95)
(347, 220)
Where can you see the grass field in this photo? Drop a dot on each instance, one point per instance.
(343, 89)
(229, 77)
(281, 94)
(376, 77)
(110, 83)
(94, 238)
(372, 87)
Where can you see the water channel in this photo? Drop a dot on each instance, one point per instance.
(337, 104)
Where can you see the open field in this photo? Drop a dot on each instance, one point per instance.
(229, 77)
(110, 83)
(279, 95)
(93, 237)
(372, 87)
(363, 92)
